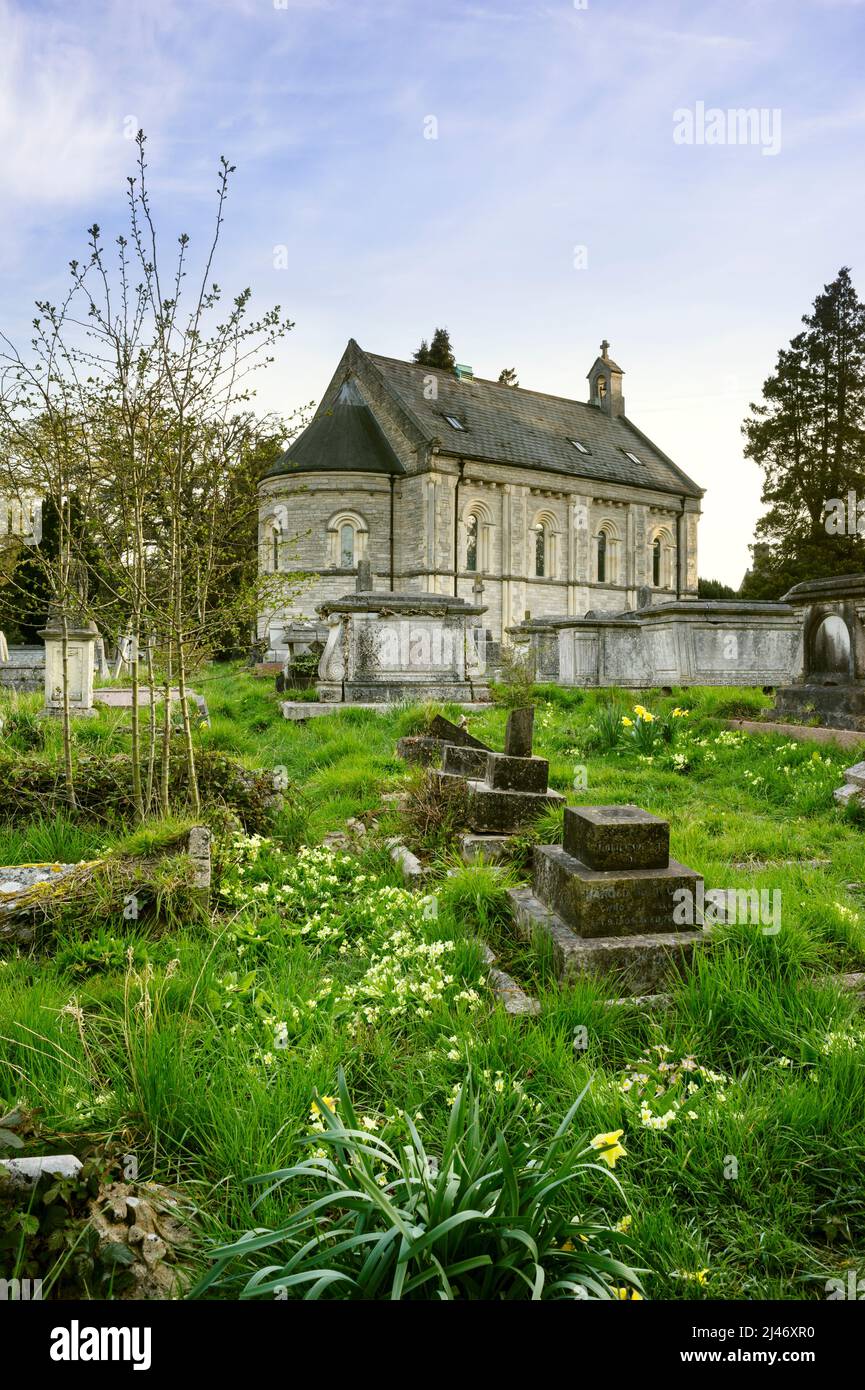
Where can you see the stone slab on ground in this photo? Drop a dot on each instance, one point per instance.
(300, 710)
(492, 849)
(412, 869)
(513, 999)
(641, 962)
(16, 878)
(26, 1172)
(845, 738)
(617, 837)
(609, 902)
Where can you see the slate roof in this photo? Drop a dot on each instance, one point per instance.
(507, 424)
(345, 438)
(502, 424)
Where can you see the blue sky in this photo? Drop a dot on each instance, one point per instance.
(555, 130)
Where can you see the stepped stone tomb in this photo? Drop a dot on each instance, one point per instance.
(505, 791)
(606, 899)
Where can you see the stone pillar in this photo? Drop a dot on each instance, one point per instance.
(81, 641)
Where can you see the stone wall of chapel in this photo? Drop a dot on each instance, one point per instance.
(510, 502)
(303, 506)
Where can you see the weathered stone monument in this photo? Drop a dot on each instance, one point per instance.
(607, 898)
(691, 642)
(505, 791)
(829, 676)
(80, 643)
(386, 647)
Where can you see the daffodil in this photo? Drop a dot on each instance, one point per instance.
(628, 723)
(624, 1225)
(329, 1101)
(611, 1149)
(628, 1295)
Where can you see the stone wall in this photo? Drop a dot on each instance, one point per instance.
(25, 669)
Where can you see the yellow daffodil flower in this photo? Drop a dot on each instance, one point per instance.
(329, 1101)
(609, 1144)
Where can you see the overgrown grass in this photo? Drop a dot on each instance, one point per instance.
(179, 1053)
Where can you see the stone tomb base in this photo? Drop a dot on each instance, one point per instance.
(612, 908)
(841, 706)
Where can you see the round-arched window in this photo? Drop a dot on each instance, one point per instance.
(602, 557)
(472, 543)
(656, 562)
(346, 546)
(540, 550)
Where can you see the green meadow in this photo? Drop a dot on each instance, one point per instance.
(325, 1023)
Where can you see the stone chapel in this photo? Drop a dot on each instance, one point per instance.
(447, 483)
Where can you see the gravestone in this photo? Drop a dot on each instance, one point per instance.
(829, 681)
(506, 791)
(606, 899)
(518, 733)
(81, 637)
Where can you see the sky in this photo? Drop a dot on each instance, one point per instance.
(530, 175)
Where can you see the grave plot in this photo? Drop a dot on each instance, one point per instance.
(606, 899)
(505, 792)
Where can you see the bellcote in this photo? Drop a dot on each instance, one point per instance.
(605, 383)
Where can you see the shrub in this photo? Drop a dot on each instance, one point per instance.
(434, 810)
(485, 1221)
(32, 786)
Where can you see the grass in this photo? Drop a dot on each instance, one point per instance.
(201, 1054)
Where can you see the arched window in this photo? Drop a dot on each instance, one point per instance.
(347, 536)
(274, 552)
(656, 562)
(540, 550)
(346, 546)
(472, 543)
(602, 557)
